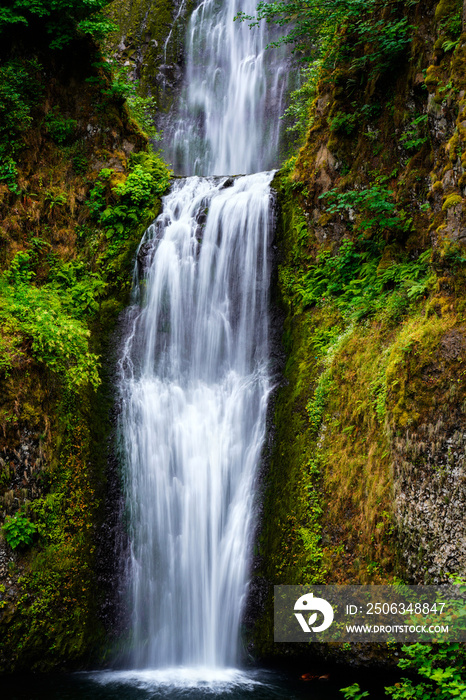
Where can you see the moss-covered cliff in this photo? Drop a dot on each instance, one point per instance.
(367, 476)
(149, 44)
(78, 185)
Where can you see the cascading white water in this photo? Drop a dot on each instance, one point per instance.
(194, 386)
(228, 121)
(193, 374)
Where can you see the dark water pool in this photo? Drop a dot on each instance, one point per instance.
(175, 684)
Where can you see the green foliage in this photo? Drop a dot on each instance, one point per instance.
(80, 162)
(345, 123)
(50, 320)
(375, 205)
(55, 617)
(381, 42)
(379, 392)
(353, 692)
(437, 671)
(60, 128)
(62, 20)
(315, 25)
(98, 194)
(9, 172)
(449, 17)
(301, 552)
(80, 289)
(20, 90)
(450, 44)
(315, 407)
(55, 198)
(119, 208)
(360, 285)
(328, 344)
(141, 109)
(19, 530)
(441, 670)
(141, 185)
(416, 134)
(301, 100)
(124, 87)
(366, 275)
(311, 532)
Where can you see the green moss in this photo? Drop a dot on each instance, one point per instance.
(446, 8)
(452, 201)
(432, 78)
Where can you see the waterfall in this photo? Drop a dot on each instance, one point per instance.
(228, 117)
(194, 368)
(194, 387)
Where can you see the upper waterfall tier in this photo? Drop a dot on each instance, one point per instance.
(228, 117)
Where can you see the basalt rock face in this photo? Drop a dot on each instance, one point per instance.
(149, 44)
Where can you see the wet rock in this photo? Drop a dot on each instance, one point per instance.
(21, 468)
(430, 492)
(145, 256)
(229, 182)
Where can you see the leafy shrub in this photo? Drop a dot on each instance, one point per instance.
(80, 290)
(414, 136)
(381, 43)
(120, 207)
(449, 18)
(55, 198)
(80, 163)
(375, 205)
(437, 671)
(8, 171)
(19, 92)
(440, 674)
(301, 100)
(50, 320)
(60, 128)
(344, 123)
(141, 109)
(354, 692)
(19, 531)
(98, 194)
(62, 20)
(364, 276)
(440, 669)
